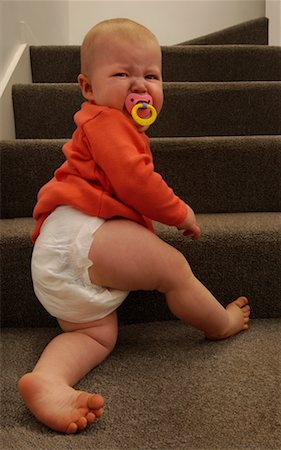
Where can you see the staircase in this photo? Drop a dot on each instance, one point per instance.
(217, 142)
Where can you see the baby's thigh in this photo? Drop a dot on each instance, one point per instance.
(127, 256)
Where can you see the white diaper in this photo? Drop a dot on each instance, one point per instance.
(60, 266)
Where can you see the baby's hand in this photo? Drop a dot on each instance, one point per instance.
(190, 225)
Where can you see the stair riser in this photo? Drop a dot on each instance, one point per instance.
(58, 64)
(190, 109)
(231, 259)
(225, 185)
(221, 63)
(220, 109)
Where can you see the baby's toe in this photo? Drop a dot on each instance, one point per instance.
(95, 402)
(82, 423)
(72, 428)
(90, 418)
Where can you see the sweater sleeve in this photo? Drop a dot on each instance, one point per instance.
(122, 153)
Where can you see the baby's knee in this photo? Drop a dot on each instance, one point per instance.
(103, 331)
(178, 273)
(182, 269)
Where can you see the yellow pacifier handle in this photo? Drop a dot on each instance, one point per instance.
(138, 119)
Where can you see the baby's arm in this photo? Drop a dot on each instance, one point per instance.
(123, 155)
(190, 225)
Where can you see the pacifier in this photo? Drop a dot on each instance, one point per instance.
(141, 109)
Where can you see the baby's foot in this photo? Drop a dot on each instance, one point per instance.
(60, 407)
(239, 317)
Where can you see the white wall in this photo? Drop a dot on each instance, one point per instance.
(171, 21)
(24, 23)
(19, 71)
(273, 12)
(32, 22)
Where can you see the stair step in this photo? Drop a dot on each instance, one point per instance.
(219, 174)
(250, 32)
(244, 248)
(228, 186)
(190, 109)
(55, 63)
(221, 63)
(61, 64)
(161, 383)
(30, 163)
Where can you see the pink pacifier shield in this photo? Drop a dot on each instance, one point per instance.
(133, 99)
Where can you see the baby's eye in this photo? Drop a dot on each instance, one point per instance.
(151, 77)
(121, 75)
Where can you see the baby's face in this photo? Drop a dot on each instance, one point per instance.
(121, 68)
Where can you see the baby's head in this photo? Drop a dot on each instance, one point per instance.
(107, 33)
(118, 57)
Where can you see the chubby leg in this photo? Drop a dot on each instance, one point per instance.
(126, 256)
(47, 390)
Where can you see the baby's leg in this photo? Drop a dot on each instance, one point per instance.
(127, 256)
(47, 390)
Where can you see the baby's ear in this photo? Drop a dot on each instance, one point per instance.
(85, 86)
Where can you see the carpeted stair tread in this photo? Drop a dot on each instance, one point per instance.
(250, 32)
(184, 163)
(165, 387)
(204, 109)
(61, 64)
(236, 254)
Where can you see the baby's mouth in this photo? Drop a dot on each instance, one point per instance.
(133, 99)
(139, 106)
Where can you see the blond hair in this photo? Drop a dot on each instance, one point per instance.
(121, 28)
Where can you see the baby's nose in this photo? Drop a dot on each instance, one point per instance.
(139, 85)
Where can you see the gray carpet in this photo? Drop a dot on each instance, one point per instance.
(166, 388)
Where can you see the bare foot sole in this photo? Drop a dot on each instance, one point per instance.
(60, 407)
(239, 317)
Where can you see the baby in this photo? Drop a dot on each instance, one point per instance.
(94, 239)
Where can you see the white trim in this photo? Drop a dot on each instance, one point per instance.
(18, 71)
(11, 68)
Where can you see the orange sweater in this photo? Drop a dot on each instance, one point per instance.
(109, 173)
